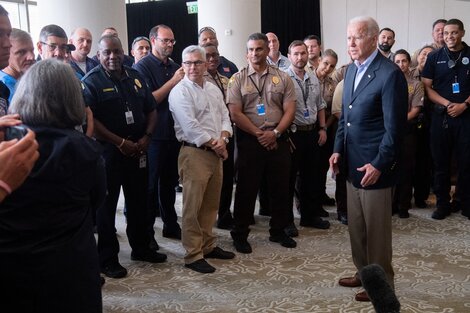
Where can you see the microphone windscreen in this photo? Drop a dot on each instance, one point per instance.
(378, 289)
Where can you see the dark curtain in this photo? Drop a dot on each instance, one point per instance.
(141, 17)
(290, 20)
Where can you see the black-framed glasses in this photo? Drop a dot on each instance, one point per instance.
(195, 63)
(167, 41)
(212, 55)
(53, 47)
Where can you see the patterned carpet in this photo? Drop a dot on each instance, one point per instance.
(431, 261)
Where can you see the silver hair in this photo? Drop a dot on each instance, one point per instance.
(52, 30)
(372, 26)
(49, 94)
(194, 49)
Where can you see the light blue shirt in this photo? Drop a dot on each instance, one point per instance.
(10, 82)
(362, 68)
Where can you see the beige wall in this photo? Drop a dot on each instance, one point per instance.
(234, 21)
(410, 19)
(92, 14)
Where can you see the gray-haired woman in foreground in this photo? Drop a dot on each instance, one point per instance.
(48, 256)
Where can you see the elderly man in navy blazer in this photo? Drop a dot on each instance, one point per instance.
(368, 138)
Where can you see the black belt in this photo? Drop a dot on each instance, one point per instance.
(188, 144)
(305, 127)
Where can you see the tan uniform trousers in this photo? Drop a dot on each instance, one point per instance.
(370, 227)
(201, 175)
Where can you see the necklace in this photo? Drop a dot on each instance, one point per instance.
(451, 63)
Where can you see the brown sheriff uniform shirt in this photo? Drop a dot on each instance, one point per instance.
(220, 81)
(276, 88)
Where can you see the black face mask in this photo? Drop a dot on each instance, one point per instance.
(385, 47)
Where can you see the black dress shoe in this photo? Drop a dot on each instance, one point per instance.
(172, 234)
(149, 256)
(440, 214)
(328, 201)
(201, 266)
(114, 270)
(421, 204)
(343, 218)
(242, 245)
(291, 230)
(284, 240)
(153, 245)
(316, 222)
(218, 253)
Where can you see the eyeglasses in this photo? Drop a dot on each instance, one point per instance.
(195, 63)
(53, 47)
(167, 41)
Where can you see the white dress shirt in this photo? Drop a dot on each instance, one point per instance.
(200, 113)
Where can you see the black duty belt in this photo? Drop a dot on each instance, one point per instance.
(304, 127)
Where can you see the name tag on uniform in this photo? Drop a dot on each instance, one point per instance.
(455, 88)
(129, 118)
(261, 109)
(143, 161)
(306, 113)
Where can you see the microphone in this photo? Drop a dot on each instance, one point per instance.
(378, 289)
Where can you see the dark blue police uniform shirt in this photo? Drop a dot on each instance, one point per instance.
(110, 100)
(437, 69)
(90, 64)
(157, 74)
(226, 67)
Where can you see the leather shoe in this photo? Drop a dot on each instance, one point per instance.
(291, 230)
(218, 253)
(201, 266)
(114, 270)
(284, 240)
(343, 218)
(362, 296)
(148, 256)
(242, 245)
(440, 214)
(353, 281)
(316, 222)
(172, 234)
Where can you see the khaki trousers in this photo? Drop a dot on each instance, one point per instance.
(370, 227)
(201, 175)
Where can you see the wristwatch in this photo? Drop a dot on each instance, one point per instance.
(277, 133)
(226, 139)
(323, 128)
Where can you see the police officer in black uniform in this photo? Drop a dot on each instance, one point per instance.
(446, 78)
(124, 113)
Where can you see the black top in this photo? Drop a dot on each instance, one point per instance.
(157, 74)
(110, 100)
(443, 77)
(55, 202)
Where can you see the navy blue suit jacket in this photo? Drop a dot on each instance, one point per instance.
(373, 121)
